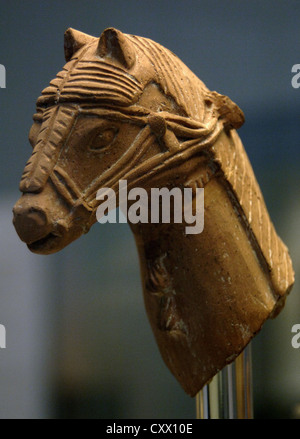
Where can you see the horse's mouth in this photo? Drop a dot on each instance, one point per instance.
(45, 245)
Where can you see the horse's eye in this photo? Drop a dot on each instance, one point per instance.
(33, 133)
(103, 140)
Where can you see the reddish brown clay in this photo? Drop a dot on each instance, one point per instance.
(126, 108)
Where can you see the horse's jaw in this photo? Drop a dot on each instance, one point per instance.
(51, 243)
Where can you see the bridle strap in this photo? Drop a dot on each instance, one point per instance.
(200, 136)
(66, 187)
(122, 166)
(168, 160)
(174, 155)
(81, 200)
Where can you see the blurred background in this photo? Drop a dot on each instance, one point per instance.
(78, 341)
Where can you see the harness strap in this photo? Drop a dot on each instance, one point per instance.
(173, 155)
(164, 127)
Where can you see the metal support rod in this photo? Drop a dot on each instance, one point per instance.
(229, 394)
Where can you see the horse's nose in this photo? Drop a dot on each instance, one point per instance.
(31, 222)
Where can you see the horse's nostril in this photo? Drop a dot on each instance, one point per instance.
(31, 223)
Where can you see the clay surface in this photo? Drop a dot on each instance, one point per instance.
(126, 108)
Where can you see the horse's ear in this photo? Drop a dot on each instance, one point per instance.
(232, 115)
(114, 44)
(73, 41)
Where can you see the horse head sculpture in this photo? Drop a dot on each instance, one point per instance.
(126, 108)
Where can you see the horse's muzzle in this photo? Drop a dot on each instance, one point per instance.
(30, 221)
(34, 226)
(45, 229)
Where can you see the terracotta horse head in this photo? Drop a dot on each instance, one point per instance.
(126, 108)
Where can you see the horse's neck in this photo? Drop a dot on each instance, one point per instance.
(163, 251)
(206, 294)
(175, 278)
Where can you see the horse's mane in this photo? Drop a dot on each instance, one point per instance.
(175, 78)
